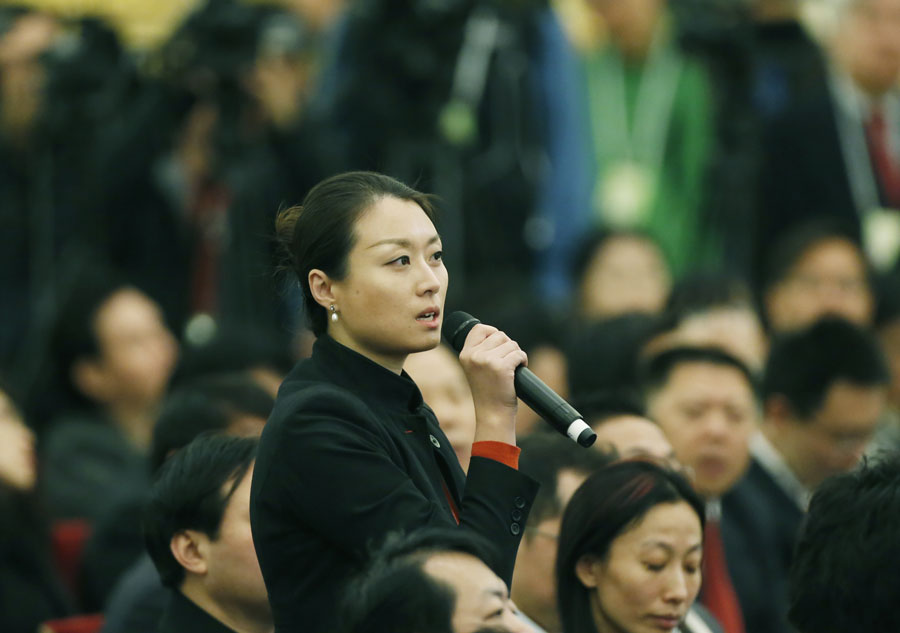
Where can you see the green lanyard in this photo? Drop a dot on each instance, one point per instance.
(631, 157)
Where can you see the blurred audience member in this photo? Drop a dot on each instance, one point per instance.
(30, 591)
(836, 155)
(622, 426)
(716, 310)
(225, 140)
(560, 467)
(705, 401)
(844, 575)
(620, 272)
(439, 376)
(232, 404)
(435, 580)
(630, 552)
(197, 527)
(650, 119)
(813, 271)
(824, 391)
(469, 65)
(115, 354)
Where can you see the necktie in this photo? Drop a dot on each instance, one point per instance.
(718, 592)
(886, 166)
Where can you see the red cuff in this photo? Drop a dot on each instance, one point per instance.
(498, 451)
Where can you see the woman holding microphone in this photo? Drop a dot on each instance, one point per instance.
(351, 452)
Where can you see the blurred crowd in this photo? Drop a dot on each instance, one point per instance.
(689, 219)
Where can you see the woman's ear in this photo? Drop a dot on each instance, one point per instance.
(190, 549)
(587, 570)
(321, 288)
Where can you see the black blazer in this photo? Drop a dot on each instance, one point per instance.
(785, 516)
(754, 529)
(349, 454)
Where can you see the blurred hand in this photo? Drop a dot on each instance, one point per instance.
(489, 358)
(17, 455)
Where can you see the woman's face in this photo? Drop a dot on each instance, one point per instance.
(651, 574)
(390, 303)
(626, 274)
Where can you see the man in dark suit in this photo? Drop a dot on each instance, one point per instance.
(824, 390)
(197, 526)
(837, 154)
(705, 401)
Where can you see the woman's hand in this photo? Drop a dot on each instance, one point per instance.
(489, 358)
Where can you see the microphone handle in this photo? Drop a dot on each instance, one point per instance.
(552, 408)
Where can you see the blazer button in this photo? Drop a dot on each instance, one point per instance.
(519, 502)
(515, 529)
(516, 515)
(434, 441)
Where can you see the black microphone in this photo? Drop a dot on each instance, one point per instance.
(529, 388)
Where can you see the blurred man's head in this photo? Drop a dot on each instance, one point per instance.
(866, 43)
(620, 273)
(559, 466)
(816, 270)
(435, 580)
(444, 388)
(623, 428)
(197, 530)
(824, 391)
(715, 310)
(113, 345)
(705, 401)
(844, 571)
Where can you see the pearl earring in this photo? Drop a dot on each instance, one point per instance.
(334, 316)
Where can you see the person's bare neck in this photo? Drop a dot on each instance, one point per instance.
(234, 618)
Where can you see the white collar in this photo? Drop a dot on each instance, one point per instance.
(771, 461)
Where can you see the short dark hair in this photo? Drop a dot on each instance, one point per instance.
(803, 365)
(793, 245)
(232, 350)
(600, 406)
(207, 404)
(701, 292)
(598, 239)
(603, 355)
(843, 576)
(608, 503)
(656, 370)
(188, 495)
(320, 233)
(395, 593)
(543, 457)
